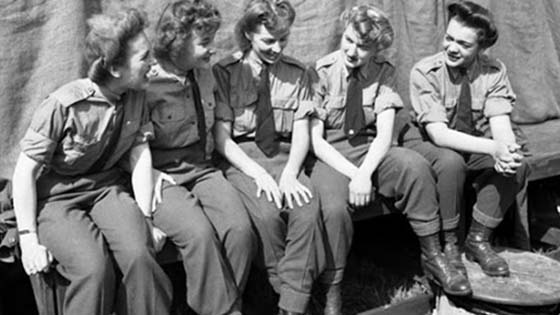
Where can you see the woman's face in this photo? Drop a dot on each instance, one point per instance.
(194, 51)
(133, 74)
(460, 44)
(268, 46)
(356, 51)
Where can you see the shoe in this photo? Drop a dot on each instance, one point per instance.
(438, 268)
(333, 301)
(452, 252)
(479, 250)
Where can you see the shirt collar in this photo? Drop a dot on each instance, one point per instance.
(106, 94)
(161, 72)
(363, 73)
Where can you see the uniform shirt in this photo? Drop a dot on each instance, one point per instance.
(237, 95)
(378, 79)
(70, 130)
(173, 115)
(435, 89)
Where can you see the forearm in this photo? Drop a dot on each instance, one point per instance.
(502, 130)
(298, 148)
(377, 150)
(142, 180)
(442, 136)
(330, 156)
(25, 195)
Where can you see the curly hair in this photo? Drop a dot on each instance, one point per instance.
(476, 17)
(371, 24)
(107, 41)
(276, 15)
(180, 18)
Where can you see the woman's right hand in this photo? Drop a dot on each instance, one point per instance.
(507, 159)
(34, 256)
(267, 185)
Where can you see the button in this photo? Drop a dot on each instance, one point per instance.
(169, 117)
(351, 132)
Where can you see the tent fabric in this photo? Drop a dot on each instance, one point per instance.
(41, 43)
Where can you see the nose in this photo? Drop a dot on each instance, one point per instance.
(351, 52)
(452, 47)
(276, 48)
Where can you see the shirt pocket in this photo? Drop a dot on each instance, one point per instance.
(79, 149)
(451, 111)
(335, 107)
(243, 103)
(284, 112)
(168, 112)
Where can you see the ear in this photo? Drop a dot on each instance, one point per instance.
(114, 71)
(247, 36)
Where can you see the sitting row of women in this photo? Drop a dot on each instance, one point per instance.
(218, 161)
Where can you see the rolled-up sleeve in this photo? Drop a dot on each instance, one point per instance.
(306, 106)
(223, 110)
(388, 97)
(319, 87)
(425, 99)
(44, 133)
(500, 97)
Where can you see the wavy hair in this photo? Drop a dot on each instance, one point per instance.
(179, 19)
(476, 17)
(276, 15)
(371, 24)
(107, 41)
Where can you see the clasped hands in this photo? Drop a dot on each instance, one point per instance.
(507, 158)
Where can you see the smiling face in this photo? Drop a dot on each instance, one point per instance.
(194, 51)
(268, 46)
(356, 51)
(133, 73)
(460, 44)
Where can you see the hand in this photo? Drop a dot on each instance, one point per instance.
(34, 256)
(159, 238)
(360, 190)
(159, 178)
(265, 183)
(292, 190)
(507, 158)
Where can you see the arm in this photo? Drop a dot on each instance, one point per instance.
(289, 185)
(239, 159)
(34, 256)
(360, 186)
(326, 153)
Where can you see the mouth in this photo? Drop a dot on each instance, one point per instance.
(453, 58)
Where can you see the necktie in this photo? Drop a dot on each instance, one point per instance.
(265, 135)
(355, 119)
(464, 120)
(200, 119)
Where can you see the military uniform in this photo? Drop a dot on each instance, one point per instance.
(402, 176)
(203, 214)
(85, 216)
(293, 250)
(434, 94)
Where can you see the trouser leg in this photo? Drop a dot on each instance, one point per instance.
(332, 190)
(210, 285)
(495, 193)
(450, 169)
(293, 251)
(406, 177)
(145, 287)
(82, 255)
(223, 206)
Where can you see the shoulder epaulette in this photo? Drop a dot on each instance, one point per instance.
(487, 61)
(326, 60)
(293, 61)
(74, 92)
(382, 59)
(233, 58)
(430, 63)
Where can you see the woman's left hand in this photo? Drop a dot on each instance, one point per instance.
(159, 178)
(359, 190)
(292, 190)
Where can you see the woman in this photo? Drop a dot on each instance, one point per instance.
(262, 108)
(69, 199)
(351, 137)
(201, 213)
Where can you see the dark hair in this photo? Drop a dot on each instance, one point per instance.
(371, 24)
(181, 17)
(107, 40)
(477, 17)
(275, 15)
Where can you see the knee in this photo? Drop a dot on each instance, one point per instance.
(95, 269)
(450, 163)
(241, 233)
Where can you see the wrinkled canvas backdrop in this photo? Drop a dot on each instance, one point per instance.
(41, 43)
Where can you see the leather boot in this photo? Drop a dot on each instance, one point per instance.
(478, 249)
(333, 301)
(452, 252)
(437, 267)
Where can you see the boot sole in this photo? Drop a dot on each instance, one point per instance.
(431, 277)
